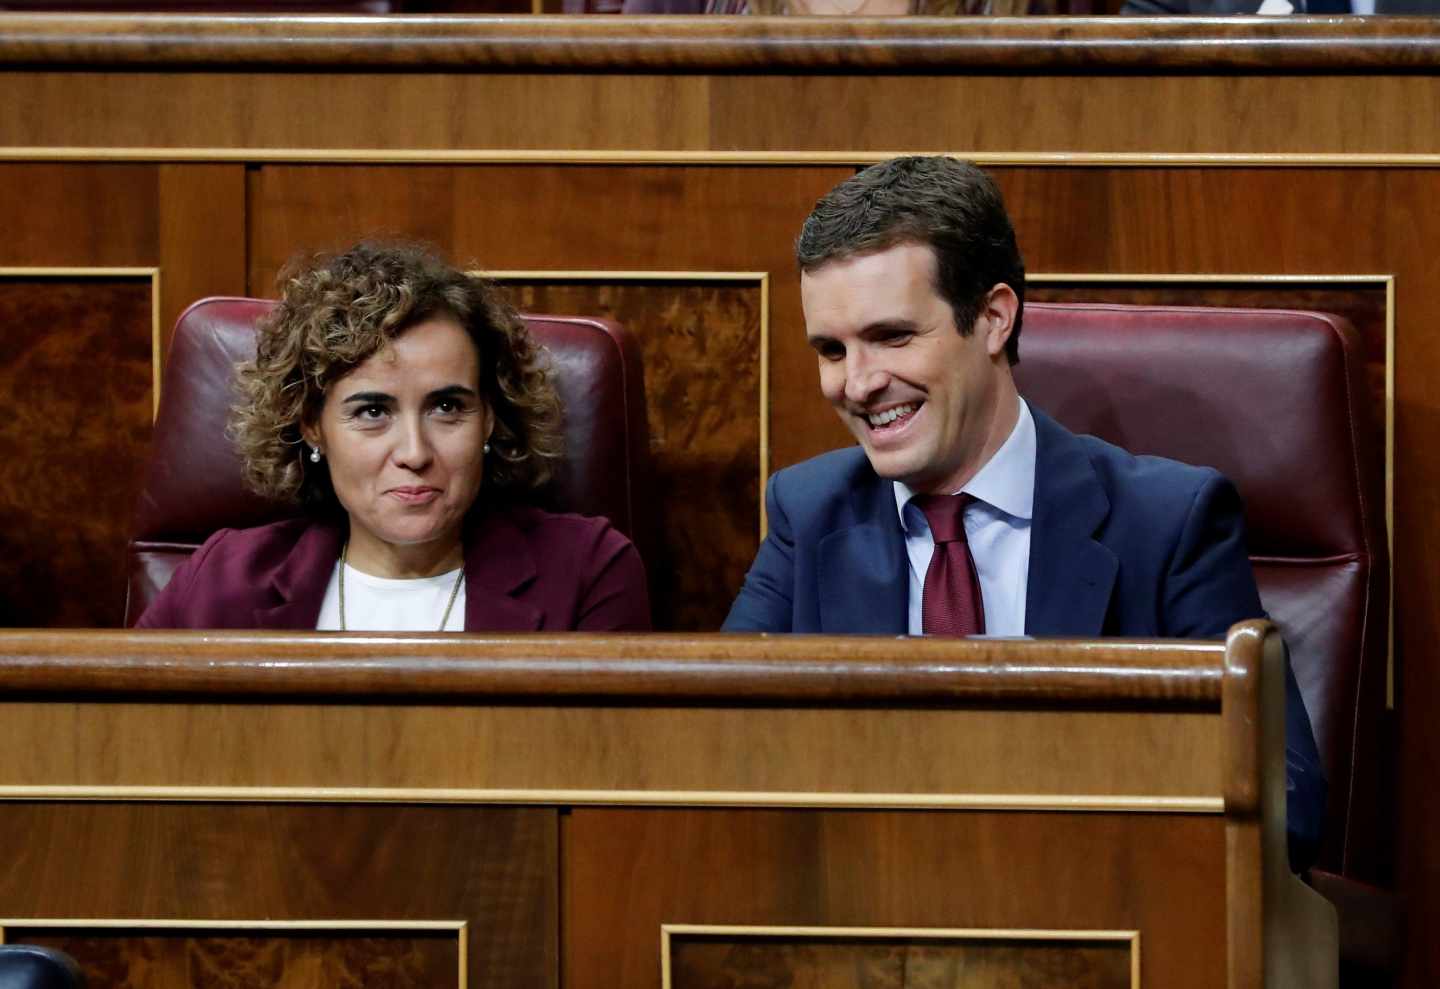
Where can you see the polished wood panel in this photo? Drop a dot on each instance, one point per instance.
(434, 115)
(515, 716)
(750, 44)
(493, 868)
(804, 671)
(72, 216)
(201, 237)
(586, 754)
(896, 962)
(312, 960)
(701, 345)
(75, 367)
(849, 869)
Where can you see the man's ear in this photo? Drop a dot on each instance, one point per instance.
(997, 318)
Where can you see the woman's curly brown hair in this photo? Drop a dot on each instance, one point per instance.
(335, 312)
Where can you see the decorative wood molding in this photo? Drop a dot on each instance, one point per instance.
(424, 43)
(146, 923)
(626, 156)
(153, 925)
(590, 669)
(670, 932)
(1028, 802)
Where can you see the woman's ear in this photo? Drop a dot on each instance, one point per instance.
(310, 433)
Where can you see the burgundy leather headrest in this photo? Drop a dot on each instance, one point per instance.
(1271, 398)
(192, 486)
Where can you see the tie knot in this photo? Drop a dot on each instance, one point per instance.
(946, 515)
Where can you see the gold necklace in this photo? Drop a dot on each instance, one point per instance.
(454, 591)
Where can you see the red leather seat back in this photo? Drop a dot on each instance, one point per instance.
(1276, 401)
(192, 485)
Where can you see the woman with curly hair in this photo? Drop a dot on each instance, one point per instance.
(404, 406)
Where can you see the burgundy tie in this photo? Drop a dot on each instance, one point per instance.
(951, 602)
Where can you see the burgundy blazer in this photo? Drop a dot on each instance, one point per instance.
(525, 570)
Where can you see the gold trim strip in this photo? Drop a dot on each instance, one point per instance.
(764, 400)
(460, 928)
(151, 273)
(81, 272)
(969, 933)
(624, 156)
(108, 923)
(1105, 278)
(1390, 484)
(1130, 803)
(602, 275)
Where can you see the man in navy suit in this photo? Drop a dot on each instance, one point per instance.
(913, 290)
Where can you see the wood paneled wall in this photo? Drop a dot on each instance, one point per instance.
(1298, 149)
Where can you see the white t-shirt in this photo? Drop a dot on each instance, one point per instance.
(383, 604)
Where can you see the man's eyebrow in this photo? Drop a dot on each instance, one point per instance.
(890, 326)
(880, 326)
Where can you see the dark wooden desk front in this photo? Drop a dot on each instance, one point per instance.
(692, 812)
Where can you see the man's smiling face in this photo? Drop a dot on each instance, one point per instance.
(929, 405)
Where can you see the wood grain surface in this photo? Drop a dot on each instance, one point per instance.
(201, 237)
(701, 345)
(723, 962)
(132, 958)
(628, 872)
(493, 868)
(750, 44)
(636, 754)
(75, 370)
(745, 669)
(251, 115)
(579, 717)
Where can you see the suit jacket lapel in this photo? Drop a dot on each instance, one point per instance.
(863, 584)
(299, 583)
(498, 565)
(1071, 574)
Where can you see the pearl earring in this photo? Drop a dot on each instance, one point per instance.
(486, 447)
(315, 454)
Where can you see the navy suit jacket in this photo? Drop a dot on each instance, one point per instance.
(1119, 545)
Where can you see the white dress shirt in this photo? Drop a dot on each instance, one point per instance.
(997, 526)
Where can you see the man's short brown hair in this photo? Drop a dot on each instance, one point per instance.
(949, 205)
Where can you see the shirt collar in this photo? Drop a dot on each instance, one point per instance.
(1006, 481)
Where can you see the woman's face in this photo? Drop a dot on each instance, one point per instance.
(403, 433)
